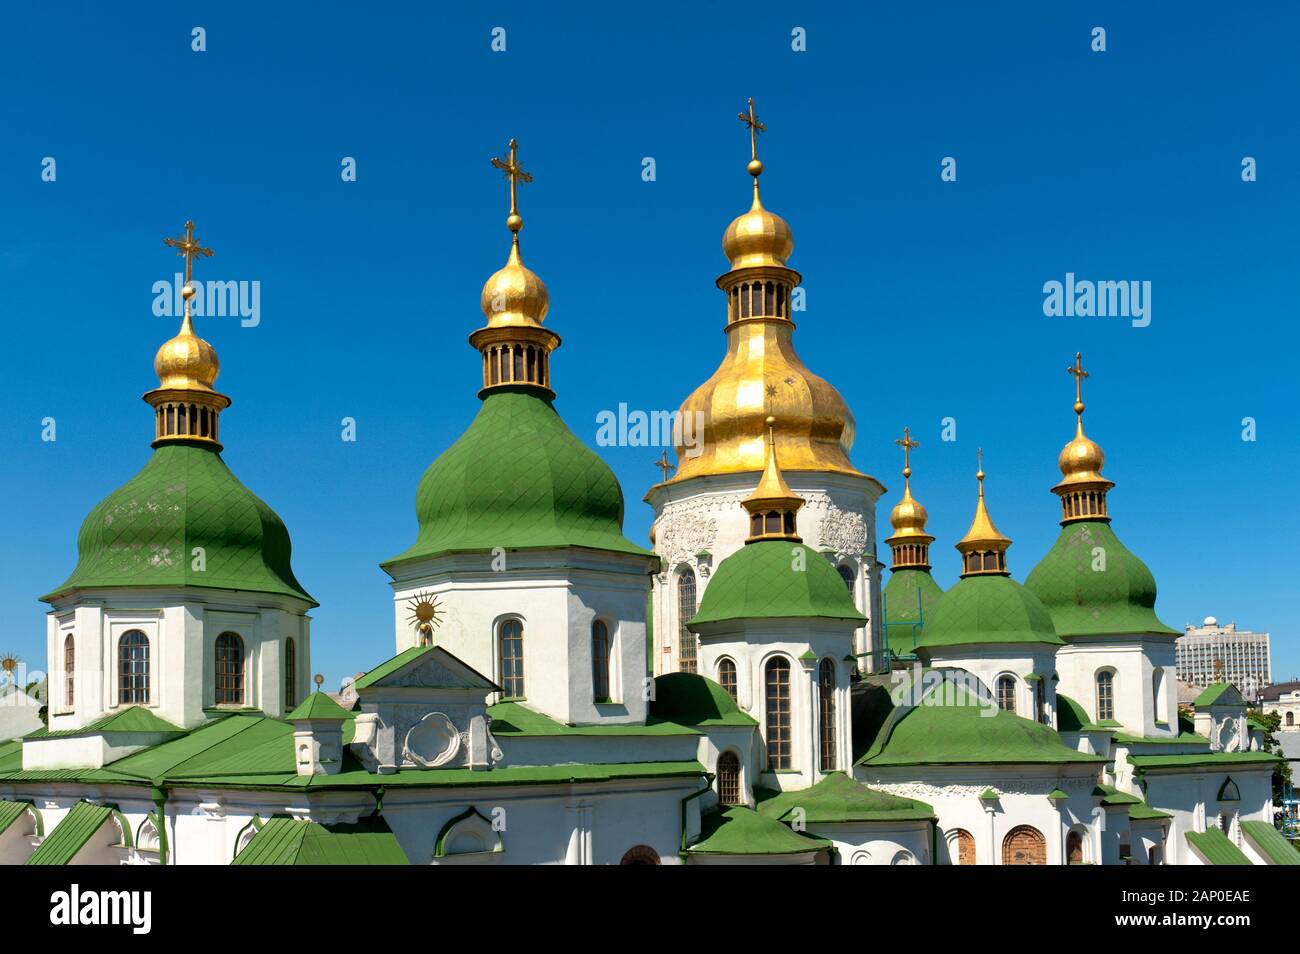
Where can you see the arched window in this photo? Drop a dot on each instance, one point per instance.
(133, 669)
(70, 671)
(1105, 695)
(1074, 848)
(847, 575)
(962, 847)
(685, 610)
(290, 674)
(510, 641)
(600, 661)
(727, 677)
(230, 669)
(1040, 702)
(826, 713)
(729, 778)
(640, 855)
(1024, 846)
(1290, 716)
(778, 714)
(1007, 693)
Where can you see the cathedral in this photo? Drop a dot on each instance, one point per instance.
(757, 687)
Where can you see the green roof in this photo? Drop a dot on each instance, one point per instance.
(131, 719)
(454, 672)
(1112, 796)
(146, 532)
(1203, 758)
(950, 727)
(318, 706)
(10, 812)
(1219, 693)
(1144, 812)
(1072, 717)
(690, 699)
(1215, 847)
(742, 831)
(983, 610)
(517, 478)
(771, 580)
(1271, 843)
(909, 599)
(514, 719)
(291, 841)
(71, 834)
(838, 799)
(1120, 599)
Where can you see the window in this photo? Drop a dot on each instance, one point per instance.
(1024, 846)
(778, 714)
(826, 713)
(1290, 716)
(511, 643)
(685, 610)
(1105, 695)
(727, 677)
(230, 669)
(600, 661)
(964, 842)
(1074, 848)
(70, 671)
(1040, 702)
(729, 778)
(290, 674)
(1007, 693)
(133, 669)
(847, 575)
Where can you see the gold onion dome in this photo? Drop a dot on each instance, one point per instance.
(514, 295)
(984, 548)
(910, 544)
(187, 362)
(761, 375)
(1082, 488)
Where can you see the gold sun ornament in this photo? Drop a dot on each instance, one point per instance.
(9, 662)
(426, 614)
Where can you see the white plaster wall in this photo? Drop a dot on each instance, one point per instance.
(1191, 796)
(878, 843)
(989, 662)
(1134, 660)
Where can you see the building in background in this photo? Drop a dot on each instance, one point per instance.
(1284, 699)
(1212, 653)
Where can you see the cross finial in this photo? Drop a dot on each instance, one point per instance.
(188, 247)
(979, 474)
(1078, 374)
(515, 173)
(750, 119)
(665, 465)
(907, 444)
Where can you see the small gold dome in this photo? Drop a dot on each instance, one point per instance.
(514, 295)
(1081, 460)
(187, 362)
(757, 238)
(908, 518)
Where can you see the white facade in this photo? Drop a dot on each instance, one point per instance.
(1144, 692)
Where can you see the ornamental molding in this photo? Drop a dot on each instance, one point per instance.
(924, 791)
(682, 535)
(842, 531)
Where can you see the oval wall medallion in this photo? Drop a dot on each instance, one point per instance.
(432, 741)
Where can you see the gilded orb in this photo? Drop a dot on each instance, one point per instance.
(755, 167)
(514, 222)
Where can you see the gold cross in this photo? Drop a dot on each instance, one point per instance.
(188, 248)
(515, 173)
(663, 464)
(755, 127)
(907, 444)
(1078, 374)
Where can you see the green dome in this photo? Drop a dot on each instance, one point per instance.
(517, 478)
(145, 533)
(690, 699)
(910, 597)
(949, 727)
(1084, 601)
(988, 610)
(760, 580)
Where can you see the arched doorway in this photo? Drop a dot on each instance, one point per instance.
(729, 778)
(640, 855)
(962, 847)
(1024, 846)
(1074, 848)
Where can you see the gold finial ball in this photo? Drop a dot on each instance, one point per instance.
(319, 680)
(770, 422)
(187, 291)
(907, 472)
(755, 167)
(515, 222)
(1078, 407)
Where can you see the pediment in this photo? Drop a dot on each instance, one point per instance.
(426, 667)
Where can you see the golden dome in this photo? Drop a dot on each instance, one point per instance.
(1081, 460)
(758, 238)
(908, 517)
(514, 295)
(186, 362)
(982, 535)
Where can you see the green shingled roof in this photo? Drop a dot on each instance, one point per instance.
(839, 799)
(1215, 848)
(1144, 812)
(690, 699)
(71, 834)
(909, 600)
(742, 831)
(10, 812)
(1271, 843)
(517, 478)
(514, 719)
(771, 579)
(1120, 599)
(291, 841)
(146, 532)
(988, 610)
(132, 719)
(1219, 693)
(318, 706)
(948, 727)
(1226, 759)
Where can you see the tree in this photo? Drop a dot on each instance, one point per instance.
(1270, 722)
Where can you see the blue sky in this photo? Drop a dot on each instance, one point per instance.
(924, 297)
